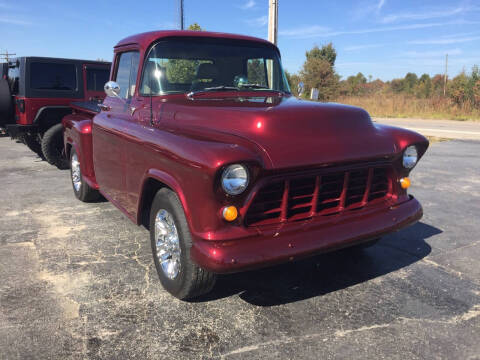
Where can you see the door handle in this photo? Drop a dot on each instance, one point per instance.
(104, 107)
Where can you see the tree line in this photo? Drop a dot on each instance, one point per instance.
(318, 71)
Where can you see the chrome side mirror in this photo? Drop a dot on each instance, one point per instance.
(112, 89)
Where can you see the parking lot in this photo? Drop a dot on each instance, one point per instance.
(78, 281)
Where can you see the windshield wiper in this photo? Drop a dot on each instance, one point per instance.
(214, 88)
(255, 86)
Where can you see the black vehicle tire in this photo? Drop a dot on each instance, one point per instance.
(81, 189)
(191, 280)
(34, 144)
(6, 103)
(52, 147)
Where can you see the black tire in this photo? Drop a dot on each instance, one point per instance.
(83, 192)
(34, 144)
(191, 281)
(52, 147)
(6, 103)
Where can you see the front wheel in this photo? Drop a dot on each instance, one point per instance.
(171, 243)
(81, 189)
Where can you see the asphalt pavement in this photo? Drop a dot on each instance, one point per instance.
(78, 281)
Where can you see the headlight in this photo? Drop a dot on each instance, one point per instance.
(410, 157)
(235, 179)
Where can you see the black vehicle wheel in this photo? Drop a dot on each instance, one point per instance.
(171, 243)
(6, 101)
(33, 142)
(52, 147)
(81, 189)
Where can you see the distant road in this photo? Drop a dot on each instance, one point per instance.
(451, 129)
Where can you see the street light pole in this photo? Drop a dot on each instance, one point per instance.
(273, 21)
(182, 18)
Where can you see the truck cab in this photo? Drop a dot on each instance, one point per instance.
(35, 94)
(200, 140)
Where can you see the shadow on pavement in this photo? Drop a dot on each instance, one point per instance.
(328, 272)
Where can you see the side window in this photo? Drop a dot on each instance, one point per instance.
(126, 75)
(256, 72)
(96, 78)
(53, 76)
(13, 77)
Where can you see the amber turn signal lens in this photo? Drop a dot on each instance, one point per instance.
(230, 213)
(405, 183)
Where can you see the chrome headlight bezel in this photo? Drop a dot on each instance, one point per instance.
(232, 183)
(410, 157)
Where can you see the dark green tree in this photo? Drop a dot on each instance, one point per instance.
(327, 52)
(409, 83)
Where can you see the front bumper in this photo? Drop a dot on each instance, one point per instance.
(17, 131)
(302, 239)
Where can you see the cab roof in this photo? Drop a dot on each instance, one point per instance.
(145, 39)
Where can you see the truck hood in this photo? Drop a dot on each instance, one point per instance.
(289, 132)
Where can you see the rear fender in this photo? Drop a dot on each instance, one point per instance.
(78, 134)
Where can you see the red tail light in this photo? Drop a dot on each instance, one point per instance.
(21, 105)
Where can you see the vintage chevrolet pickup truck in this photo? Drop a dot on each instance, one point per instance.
(200, 140)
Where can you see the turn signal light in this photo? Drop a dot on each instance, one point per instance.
(230, 213)
(405, 183)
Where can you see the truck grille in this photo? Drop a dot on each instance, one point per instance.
(298, 198)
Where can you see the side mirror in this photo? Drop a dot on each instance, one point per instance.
(112, 89)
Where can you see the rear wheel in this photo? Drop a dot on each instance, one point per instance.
(33, 142)
(53, 147)
(81, 189)
(171, 243)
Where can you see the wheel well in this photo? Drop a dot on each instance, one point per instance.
(149, 190)
(68, 148)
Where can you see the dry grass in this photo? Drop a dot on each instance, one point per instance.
(397, 105)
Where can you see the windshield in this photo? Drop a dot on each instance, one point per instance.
(185, 65)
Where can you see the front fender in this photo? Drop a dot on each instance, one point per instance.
(166, 179)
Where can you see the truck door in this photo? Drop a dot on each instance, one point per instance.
(109, 130)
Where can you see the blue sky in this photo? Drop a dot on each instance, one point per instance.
(382, 38)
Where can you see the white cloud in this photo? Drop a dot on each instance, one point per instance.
(306, 31)
(380, 5)
(432, 54)
(13, 20)
(320, 31)
(258, 22)
(248, 5)
(425, 15)
(362, 47)
(445, 40)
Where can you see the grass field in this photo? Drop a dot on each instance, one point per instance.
(395, 105)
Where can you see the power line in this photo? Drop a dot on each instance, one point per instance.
(6, 55)
(445, 76)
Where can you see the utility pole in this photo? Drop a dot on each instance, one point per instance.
(273, 21)
(6, 55)
(182, 18)
(445, 76)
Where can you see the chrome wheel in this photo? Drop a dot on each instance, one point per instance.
(76, 174)
(167, 244)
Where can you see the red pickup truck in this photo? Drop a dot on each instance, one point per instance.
(200, 140)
